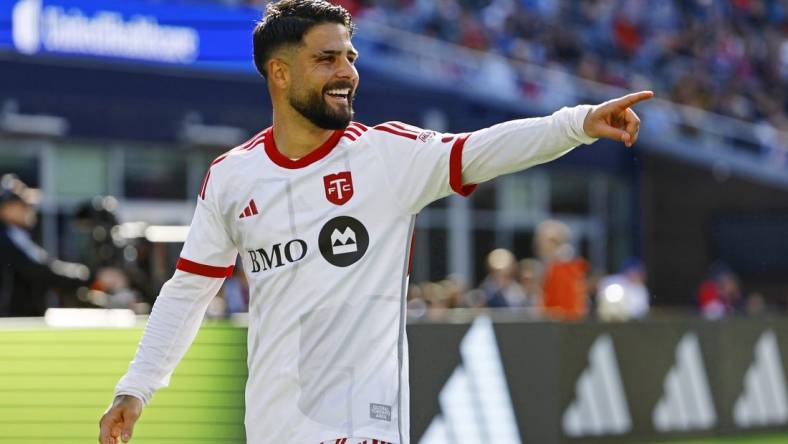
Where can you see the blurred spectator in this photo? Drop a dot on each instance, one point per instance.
(531, 272)
(115, 283)
(27, 272)
(719, 295)
(624, 296)
(236, 292)
(756, 304)
(417, 306)
(500, 287)
(565, 292)
(454, 289)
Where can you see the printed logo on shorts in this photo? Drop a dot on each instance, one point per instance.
(343, 241)
(380, 411)
(338, 187)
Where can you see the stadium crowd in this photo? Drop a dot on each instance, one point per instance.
(728, 57)
(725, 56)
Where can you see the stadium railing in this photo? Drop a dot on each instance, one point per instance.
(757, 150)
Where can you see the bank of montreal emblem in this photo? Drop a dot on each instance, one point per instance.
(338, 187)
(343, 240)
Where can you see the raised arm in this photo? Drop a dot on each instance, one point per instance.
(423, 166)
(206, 260)
(520, 144)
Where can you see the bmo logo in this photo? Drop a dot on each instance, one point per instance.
(343, 241)
(277, 256)
(339, 187)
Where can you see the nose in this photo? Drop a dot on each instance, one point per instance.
(347, 70)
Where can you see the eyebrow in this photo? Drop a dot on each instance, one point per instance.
(334, 52)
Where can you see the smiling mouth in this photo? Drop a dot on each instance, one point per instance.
(341, 95)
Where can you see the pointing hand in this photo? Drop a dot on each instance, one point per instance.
(615, 119)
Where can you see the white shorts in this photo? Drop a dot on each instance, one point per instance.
(356, 441)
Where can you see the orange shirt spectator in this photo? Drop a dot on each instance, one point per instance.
(565, 291)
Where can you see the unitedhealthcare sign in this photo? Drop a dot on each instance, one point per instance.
(134, 31)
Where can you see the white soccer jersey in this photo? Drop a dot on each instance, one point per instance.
(324, 242)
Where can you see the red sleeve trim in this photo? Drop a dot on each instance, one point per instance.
(204, 186)
(204, 270)
(401, 126)
(397, 132)
(455, 168)
(352, 130)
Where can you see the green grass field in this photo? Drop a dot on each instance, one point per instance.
(56, 383)
(751, 439)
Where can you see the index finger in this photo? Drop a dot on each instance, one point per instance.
(107, 423)
(628, 100)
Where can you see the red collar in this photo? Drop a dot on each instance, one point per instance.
(313, 156)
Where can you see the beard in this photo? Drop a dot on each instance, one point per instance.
(314, 107)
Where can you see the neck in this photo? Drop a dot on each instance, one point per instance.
(295, 135)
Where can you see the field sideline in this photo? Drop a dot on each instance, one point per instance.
(749, 439)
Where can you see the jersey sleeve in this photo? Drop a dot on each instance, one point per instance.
(424, 166)
(171, 329)
(182, 302)
(520, 144)
(209, 250)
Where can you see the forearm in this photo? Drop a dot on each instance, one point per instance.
(520, 144)
(172, 326)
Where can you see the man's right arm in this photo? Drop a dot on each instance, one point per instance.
(206, 260)
(171, 328)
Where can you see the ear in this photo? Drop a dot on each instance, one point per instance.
(278, 73)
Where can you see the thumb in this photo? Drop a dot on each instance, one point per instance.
(609, 132)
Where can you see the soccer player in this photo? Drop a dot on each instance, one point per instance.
(321, 210)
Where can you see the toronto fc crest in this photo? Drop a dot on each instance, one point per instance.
(339, 187)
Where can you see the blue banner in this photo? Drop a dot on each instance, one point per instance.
(202, 36)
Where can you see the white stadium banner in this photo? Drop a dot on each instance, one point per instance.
(475, 401)
(686, 402)
(763, 400)
(600, 407)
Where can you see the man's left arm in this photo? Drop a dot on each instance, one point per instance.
(430, 166)
(520, 144)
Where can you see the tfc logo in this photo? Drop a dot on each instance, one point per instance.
(339, 187)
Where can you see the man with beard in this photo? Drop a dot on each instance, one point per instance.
(321, 210)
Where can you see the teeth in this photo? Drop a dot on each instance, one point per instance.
(340, 92)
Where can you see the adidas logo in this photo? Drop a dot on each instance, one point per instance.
(763, 401)
(250, 210)
(475, 403)
(343, 241)
(600, 407)
(686, 403)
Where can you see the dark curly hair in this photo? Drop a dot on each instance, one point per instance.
(286, 21)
